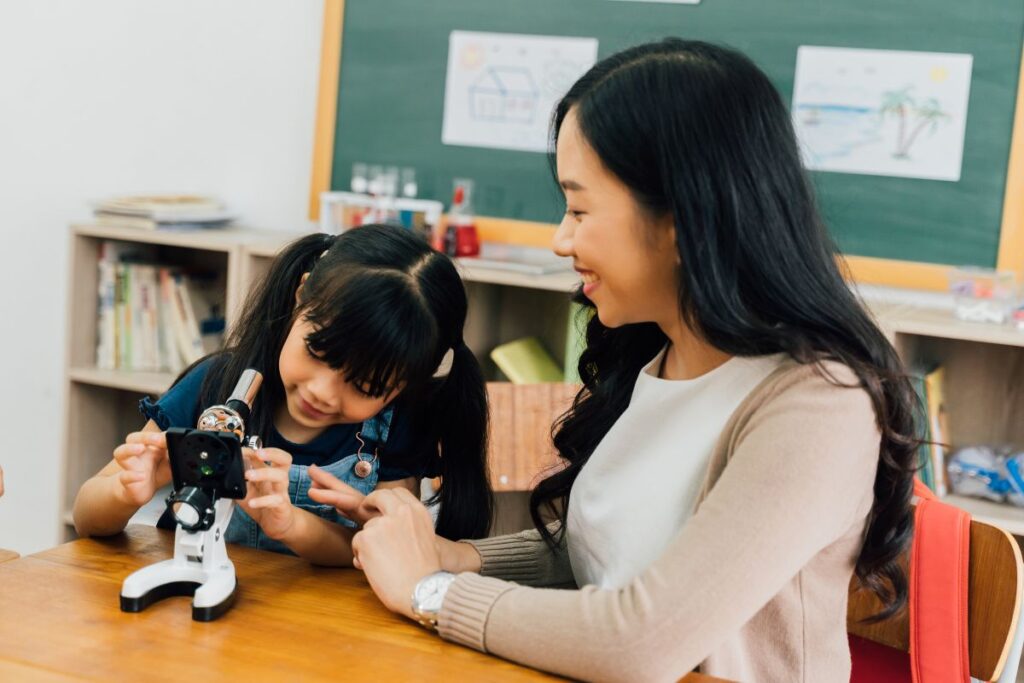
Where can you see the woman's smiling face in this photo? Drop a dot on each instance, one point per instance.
(626, 258)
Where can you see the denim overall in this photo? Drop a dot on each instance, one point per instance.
(374, 432)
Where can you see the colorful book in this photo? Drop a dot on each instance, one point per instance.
(526, 361)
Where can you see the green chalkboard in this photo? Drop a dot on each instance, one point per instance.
(394, 53)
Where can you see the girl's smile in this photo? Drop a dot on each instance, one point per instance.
(308, 408)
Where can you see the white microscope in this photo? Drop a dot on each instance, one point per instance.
(209, 475)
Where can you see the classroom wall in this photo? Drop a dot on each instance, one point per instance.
(112, 96)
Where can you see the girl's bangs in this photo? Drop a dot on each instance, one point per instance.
(375, 330)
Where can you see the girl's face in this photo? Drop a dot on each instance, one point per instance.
(317, 395)
(627, 259)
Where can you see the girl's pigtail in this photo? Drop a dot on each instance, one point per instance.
(459, 415)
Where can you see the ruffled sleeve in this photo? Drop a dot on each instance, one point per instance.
(179, 406)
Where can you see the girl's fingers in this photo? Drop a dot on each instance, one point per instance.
(273, 475)
(325, 480)
(128, 450)
(342, 501)
(131, 477)
(272, 500)
(275, 456)
(155, 439)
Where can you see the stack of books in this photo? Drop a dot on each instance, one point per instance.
(151, 317)
(162, 212)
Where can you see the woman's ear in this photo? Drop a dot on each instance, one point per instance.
(666, 232)
(298, 290)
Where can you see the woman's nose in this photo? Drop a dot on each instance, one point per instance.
(561, 243)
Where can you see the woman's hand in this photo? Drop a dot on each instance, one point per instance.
(327, 489)
(397, 548)
(267, 500)
(145, 467)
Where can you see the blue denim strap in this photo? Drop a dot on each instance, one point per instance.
(377, 427)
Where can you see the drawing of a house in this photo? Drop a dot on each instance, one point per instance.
(504, 93)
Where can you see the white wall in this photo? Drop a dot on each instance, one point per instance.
(102, 97)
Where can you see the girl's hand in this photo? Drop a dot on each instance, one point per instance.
(267, 500)
(145, 467)
(327, 489)
(396, 549)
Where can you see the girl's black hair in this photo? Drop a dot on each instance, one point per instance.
(385, 309)
(698, 132)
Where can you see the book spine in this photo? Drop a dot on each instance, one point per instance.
(106, 350)
(170, 356)
(122, 317)
(190, 339)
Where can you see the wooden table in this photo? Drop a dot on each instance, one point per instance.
(60, 621)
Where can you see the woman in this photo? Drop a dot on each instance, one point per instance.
(744, 441)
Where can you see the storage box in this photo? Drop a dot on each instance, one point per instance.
(983, 294)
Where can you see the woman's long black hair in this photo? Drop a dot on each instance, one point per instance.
(385, 308)
(698, 132)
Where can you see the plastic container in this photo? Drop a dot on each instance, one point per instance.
(982, 294)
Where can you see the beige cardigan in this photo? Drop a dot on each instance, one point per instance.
(753, 587)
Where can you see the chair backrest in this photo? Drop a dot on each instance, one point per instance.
(995, 585)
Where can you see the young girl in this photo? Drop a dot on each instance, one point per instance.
(366, 378)
(744, 442)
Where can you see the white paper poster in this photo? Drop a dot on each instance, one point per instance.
(501, 88)
(882, 112)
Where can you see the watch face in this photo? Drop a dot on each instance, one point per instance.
(431, 591)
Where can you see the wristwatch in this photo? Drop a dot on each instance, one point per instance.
(428, 596)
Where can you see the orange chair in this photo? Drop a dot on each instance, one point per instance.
(995, 586)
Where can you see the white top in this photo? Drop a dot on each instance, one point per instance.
(639, 486)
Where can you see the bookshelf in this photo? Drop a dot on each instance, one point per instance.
(984, 363)
(984, 385)
(101, 405)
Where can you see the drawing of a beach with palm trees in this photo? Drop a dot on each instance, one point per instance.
(912, 117)
(882, 112)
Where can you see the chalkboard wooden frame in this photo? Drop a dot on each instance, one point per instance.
(899, 273)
